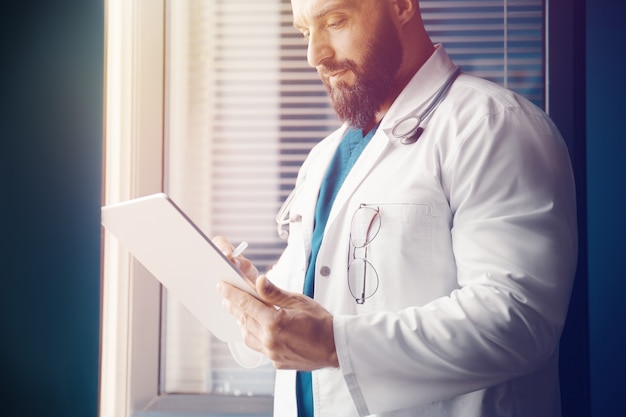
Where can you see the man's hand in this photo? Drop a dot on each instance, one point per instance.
(246, 267)
(291, 329)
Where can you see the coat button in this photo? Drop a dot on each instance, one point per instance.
(325, 271)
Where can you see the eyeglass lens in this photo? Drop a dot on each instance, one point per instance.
(365, 226)
(362, 276)
(362, 279)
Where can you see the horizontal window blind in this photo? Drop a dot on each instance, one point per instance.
(223, 107)
(500, 40)
(244, 109)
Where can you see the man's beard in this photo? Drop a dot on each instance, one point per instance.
(358, 104)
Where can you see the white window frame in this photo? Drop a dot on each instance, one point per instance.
(134, 167)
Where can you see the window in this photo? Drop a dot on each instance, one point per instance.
(213, 102)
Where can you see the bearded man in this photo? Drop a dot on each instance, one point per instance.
(432, 240)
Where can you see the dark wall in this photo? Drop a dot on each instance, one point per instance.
(566, 88)
(51, 83)
(606, 178)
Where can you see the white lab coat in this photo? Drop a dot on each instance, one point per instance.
(476, 255)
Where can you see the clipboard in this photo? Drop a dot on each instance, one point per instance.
(178, 254)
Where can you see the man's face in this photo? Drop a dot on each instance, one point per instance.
(355, 48)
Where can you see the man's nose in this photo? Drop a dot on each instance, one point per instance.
(319, 48)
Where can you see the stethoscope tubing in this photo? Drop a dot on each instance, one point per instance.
(409, 129)
(283, 217)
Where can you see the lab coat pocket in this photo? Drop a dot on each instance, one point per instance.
(401, 253)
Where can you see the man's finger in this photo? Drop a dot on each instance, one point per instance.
(223, 244)
(248, 269)
(239, 302)
(248, 311)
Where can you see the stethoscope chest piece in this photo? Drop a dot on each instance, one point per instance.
(408, 129)
(408, 140)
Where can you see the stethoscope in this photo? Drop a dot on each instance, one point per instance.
(408, 130)
(283, 217)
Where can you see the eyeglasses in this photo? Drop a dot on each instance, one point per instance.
(362, 276)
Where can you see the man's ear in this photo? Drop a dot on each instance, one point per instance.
(404, 10)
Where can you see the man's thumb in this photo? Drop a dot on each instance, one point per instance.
(271, 294)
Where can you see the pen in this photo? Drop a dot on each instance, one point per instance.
(239, 249)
